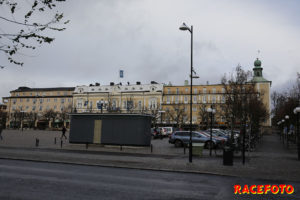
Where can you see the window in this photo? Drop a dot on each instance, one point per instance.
(27, 107)
(176, 99)
(204, 99)
(168, 99)
(41, 100)
(55, 100)
(33, 108)
(169, 91)
(185, 99)
(186, 90)
(27, 100)
(195, 99)
(62, 108)
(48, 107)
(56, 107)
(195, 91)
(33, 101)
(66, 93)
(223, 99)
(177, 90)
(79, 104)
(214, 90)
(62, 100)
(41, 108)
(124, 105)
(69, 100)
(58, 93)
(194, 119)
(194, 108)
(48, 100)
(152, 104)
(204, 90)
(140, 105)
(223, 90)
(14, 101)
(21, 100)
(214, 99)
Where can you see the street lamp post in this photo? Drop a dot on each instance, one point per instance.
(184, 27)
(297, 111)
(278, 124)
(211, 111)
(282, 121)
(161, 113)
(287, 130)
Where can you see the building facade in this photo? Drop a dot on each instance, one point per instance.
(38, 107)
(176, 101)
(118, 98)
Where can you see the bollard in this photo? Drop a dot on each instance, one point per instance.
(151, 147)
(86, 145)
(121, 148)
(55, 140)
(184, 149)
(37, 141)
(61, 143)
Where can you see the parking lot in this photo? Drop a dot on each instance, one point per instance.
(27, 139)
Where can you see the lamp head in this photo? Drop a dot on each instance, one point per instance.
(209, 110)
(287, 117)
(184, 27)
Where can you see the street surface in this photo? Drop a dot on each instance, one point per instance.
(42, 180)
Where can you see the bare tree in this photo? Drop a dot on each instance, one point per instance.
(203, 115)
(27, 26)
(177, 115)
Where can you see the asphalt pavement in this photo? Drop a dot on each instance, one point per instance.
(40, 180)
(270, 161)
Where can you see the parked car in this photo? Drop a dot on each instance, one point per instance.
(180, 138)
(221, 140)
(168, 130)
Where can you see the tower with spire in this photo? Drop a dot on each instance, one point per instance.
(263, 86)
(257, 72)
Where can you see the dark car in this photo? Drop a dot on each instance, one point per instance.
(180, 138)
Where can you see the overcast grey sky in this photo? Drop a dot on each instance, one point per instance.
(142, 37)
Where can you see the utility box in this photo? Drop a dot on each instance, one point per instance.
(112, 129)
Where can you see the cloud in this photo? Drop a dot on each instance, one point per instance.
(142, 38)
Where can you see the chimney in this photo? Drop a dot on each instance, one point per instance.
(112, 83)
(153, 82)
(138, 83)
(97, 84)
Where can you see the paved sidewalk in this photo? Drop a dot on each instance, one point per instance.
(270, 161)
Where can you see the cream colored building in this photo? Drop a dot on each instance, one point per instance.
(176, 100)
(28, 102)
(130, 98)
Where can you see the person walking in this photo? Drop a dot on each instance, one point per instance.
(1, 138)
(63, 132)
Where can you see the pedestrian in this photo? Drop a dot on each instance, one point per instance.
(1, 138)
(63, 130)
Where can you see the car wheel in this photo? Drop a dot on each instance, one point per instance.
(209, 144)
(178, 143)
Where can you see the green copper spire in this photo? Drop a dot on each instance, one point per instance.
(257, 72)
